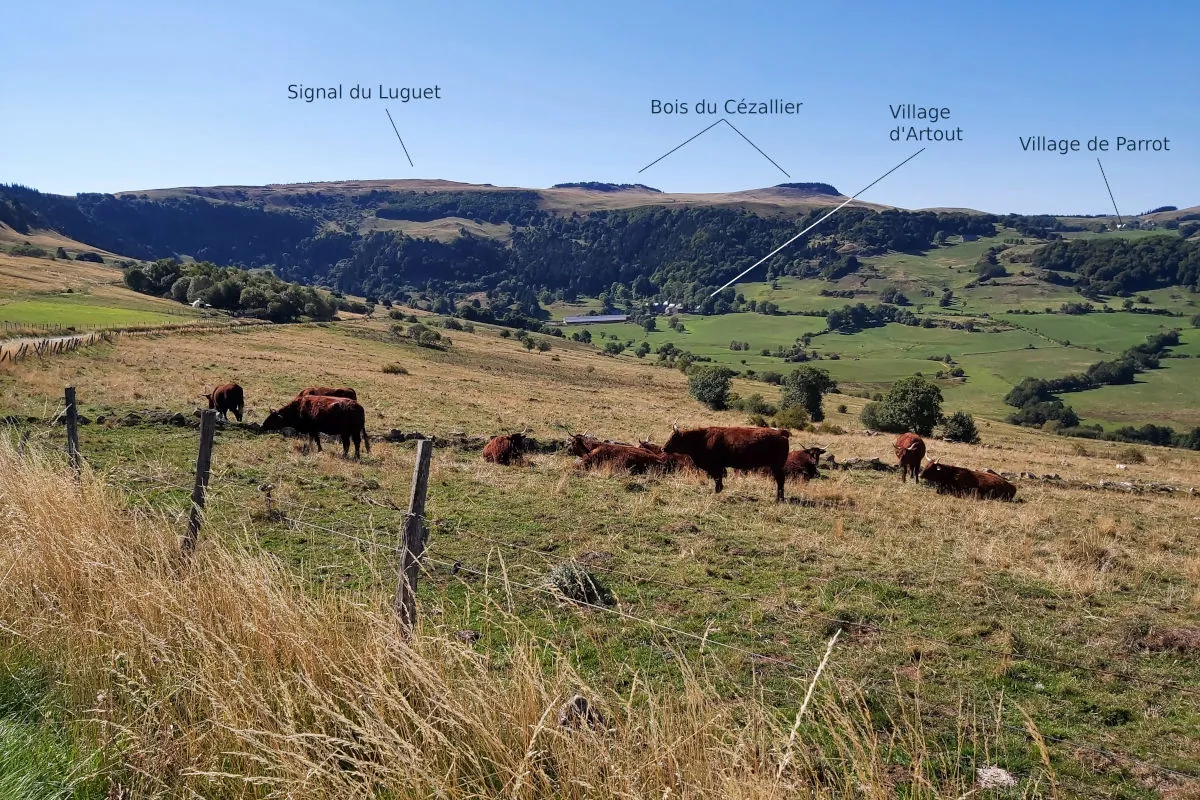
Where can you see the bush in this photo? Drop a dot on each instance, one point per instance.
(842, 408)
(757, 421)
(1131, 455)
(94, 258)
(793, 417)
(754, 404)
(960, 427)
(451, 324)
(775, 378)
(543, 345)
(806, 387)
(394, 369)
(574, 582)
(30, 250)
(505, 333)
(912, 404)
(826, 427)
(710, 385)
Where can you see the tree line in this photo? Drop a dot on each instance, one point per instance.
(257, 294)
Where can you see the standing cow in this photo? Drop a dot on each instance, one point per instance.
(225, 399)
(968, 482)
(910, 452)
(715, 450)
(329, 391)
(315, 414)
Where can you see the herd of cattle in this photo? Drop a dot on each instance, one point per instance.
(712, 451)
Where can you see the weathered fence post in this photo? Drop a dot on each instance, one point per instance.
(412, 544)
(72, 430)
(208, 425)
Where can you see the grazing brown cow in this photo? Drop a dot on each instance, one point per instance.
(329, 391)
(715, 450)
(910, 451)
(227, 398)
(626, 458)
(967, 482)
(315, 414)
(506, 449)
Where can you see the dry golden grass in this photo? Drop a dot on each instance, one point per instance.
(227, 678)
(1067, 571)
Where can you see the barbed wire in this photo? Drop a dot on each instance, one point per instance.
(789, 605)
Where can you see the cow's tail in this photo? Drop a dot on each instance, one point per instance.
(366, 439)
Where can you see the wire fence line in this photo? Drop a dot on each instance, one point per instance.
(874, 627)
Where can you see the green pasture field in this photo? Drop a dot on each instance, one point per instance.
(1111, 333)
(79, 309)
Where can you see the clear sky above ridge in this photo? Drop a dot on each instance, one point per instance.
(105, 97)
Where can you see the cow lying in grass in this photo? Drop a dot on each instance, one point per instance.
(967, 482)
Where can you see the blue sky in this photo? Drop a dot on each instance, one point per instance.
(134, 95)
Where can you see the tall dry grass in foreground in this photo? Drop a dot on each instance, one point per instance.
(230, 680)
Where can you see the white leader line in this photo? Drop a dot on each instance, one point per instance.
(818, 222)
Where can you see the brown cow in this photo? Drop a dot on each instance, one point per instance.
(329, 391)
(315, 414)
(910, 451)
(227, 398)
(506, 449)
(967, 482)
(676, 462)
(580, 444)
(802, 464)
(626, 458)
(715, 450)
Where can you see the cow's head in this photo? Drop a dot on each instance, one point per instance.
(815, 453)
(273, 422)
(934, 470)
(677, 442)
(212, 403)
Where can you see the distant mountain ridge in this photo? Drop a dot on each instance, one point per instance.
(384, 237)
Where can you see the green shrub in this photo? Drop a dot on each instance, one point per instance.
(806, 387)
(1131, 455)
(394, 369)
(574, 582)
(842, 408)
(94, 258)
(710, 385)
(29, 250)
(793, 417)
(505, 333)
(912, 404)
(960, 427)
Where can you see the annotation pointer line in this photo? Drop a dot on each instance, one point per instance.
(672, 150)
(752, 144)
(406, 155)
(845, 203)
(1120, 222)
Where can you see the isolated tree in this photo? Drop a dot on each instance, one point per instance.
(650, 325)
(806, 387)
(960, 427)
(710, 385)
(179, 290)
(642, 350)
(912, 405)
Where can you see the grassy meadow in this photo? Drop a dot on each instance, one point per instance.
(61, 293)
(972, 634)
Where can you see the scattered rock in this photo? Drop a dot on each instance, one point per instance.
(578, 712)
(873, 464)
(995, 778)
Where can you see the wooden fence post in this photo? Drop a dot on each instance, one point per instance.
(72, 430)
(412, 544)
(208, 426)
